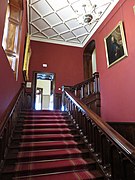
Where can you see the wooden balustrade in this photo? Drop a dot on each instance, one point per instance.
(114, 154)
(87, 87)
(8, 123)
(88, 92)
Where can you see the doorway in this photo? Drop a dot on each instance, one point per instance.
(89, 60)
(43, 91)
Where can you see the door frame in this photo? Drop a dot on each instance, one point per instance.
(87, 59)
(34, 85)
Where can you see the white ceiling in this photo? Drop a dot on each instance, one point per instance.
(58, 21)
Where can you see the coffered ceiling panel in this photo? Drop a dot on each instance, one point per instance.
(67, 22)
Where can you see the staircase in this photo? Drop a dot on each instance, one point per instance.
(46, 146)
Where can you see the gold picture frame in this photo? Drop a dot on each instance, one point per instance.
(115, 45)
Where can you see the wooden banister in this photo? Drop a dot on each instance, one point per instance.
(87, 87)
(88, 91)
(8, 123)
(115, 155)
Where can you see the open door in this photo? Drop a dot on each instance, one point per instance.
(43, 90)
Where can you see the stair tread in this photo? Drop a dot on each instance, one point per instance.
(45, 137)
(45, 120)
(45, 130)
(49, 166)
(44, 112)
(51, 129)
(46, 154)
(36, 116)
(47, 124)
(45, 144)
(51, 125)
(82, 175)
(35, 131)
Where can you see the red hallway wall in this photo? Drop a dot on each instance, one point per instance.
(65, 61)
(117, 83)
(8, 85)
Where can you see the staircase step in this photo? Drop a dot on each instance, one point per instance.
(76, 175)
(43, 112)
(44, 145)
(45, 137)
(35, 168)
(43, 117)
(45, 131)
(38, 126)
(44, 121)
(27, 156)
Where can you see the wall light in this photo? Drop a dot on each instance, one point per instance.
(45, 65)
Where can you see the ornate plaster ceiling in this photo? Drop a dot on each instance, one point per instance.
(58, 21)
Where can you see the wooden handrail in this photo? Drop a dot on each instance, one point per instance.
(10, 109)
(8, 124)
(127, 147)
(95, 75)
(108, 147)
(88, 91)
(83, 82)
(87, 87)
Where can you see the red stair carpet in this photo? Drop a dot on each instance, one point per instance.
(46, 146)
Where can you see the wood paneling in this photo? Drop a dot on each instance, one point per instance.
(57, 101)
(126, 129)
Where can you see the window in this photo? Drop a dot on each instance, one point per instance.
(11, 35)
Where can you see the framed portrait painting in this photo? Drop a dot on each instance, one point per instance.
(115, 45)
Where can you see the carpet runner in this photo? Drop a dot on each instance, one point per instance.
(46, 146)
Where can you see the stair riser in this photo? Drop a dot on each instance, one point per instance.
(43, 121)
(44, 132)
(52, 170)
(59, 176)
(44, 117)
(27, 148)
(45, 139)
(43, 112)
(17, 140)
(41, 158)
(41, 127)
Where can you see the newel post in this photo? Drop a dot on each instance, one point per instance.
(63, 97)
(96, 82)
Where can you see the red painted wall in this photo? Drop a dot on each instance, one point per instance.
(117, 83)
(8, 85)
(65, 61)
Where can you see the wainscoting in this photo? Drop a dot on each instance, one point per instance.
(126, 129)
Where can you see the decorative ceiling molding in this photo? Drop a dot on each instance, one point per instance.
(63, 22)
